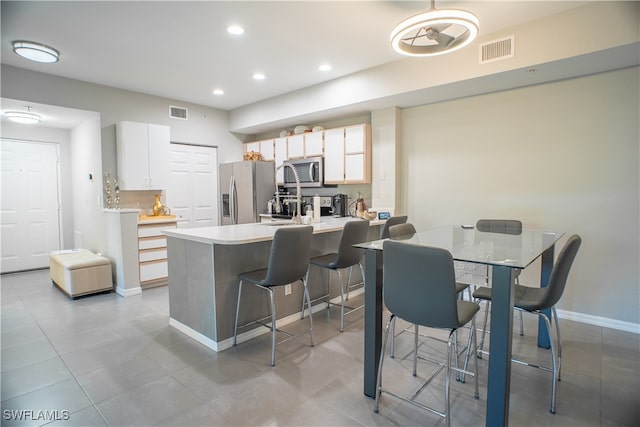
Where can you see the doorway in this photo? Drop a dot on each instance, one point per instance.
(30, 204)
(193, 191)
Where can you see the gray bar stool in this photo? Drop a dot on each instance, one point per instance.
(536, 299)
(394, 220)
(288, 263)
(346, 257)
(419, 286)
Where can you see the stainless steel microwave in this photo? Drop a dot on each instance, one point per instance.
(310, 172)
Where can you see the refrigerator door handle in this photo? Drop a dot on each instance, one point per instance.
(234, 200)
(232, 208)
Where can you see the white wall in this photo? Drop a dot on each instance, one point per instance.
(559, 156)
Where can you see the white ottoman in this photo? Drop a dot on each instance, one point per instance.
(80, 272)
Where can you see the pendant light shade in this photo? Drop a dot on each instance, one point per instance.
(35, 51)
(24, 117)
(435, 32)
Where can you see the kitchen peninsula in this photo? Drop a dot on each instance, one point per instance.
(204, 263)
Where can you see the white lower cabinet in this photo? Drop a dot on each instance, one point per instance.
(152, 253)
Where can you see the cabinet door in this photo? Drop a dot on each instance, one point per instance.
(354, 171)
(334, 156)
(354, 137)
(132, 153)
(158, 157)
(280, 146)
(251, 146)
(313, 144)
(295, 146)
(267, 149)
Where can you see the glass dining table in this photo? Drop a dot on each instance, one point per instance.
(506, 254)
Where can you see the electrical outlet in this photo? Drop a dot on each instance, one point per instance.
(287, 289)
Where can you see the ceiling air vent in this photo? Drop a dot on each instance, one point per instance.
(177, 112)
(497, 50)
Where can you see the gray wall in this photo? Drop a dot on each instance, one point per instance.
(559, 156)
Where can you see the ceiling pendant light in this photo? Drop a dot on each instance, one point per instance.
(35, 51)
(434, 32)
(24, 117)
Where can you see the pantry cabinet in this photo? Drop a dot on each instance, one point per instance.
(142, 152)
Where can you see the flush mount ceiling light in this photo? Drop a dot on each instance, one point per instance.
(235, 30)
(434, 32)
(24, 117)
(35, 51)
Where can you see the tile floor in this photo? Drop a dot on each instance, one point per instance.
(106, 360)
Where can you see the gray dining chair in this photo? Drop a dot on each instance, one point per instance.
(288, 263)
(502, 226)
(406, 231)
(536, 299)
(419, 286)
(394, 220)
(347, 256)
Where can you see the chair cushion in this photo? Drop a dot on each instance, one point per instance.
(461, 287)
(466, 311)
(325, 261)
(526, 298)
(256, 276)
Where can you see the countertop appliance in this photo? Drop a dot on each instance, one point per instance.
(340, 205)
(310, 172)
(245, 189)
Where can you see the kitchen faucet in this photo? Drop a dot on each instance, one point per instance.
(297, 218)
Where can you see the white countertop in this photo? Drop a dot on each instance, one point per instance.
(254, 232)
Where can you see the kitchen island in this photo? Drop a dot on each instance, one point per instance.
(203, 287)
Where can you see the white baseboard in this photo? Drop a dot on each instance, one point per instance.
(245, 336)
(604, 322)
(128, 292)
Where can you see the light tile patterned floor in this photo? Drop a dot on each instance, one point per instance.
(114, 361)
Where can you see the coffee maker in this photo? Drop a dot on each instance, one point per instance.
(340, 207)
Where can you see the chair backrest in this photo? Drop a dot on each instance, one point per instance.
(394, 220)
(402, 230)
(419, 284)
(560, 273)
(289, 255)
(352, 233)
(504, 226)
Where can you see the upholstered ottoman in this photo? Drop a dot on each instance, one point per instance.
(80, 272)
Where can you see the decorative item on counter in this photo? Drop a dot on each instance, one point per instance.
(159, 209)
(316, 208)
(253, 155)
(116, 190)
(361, 209)
(107, 190)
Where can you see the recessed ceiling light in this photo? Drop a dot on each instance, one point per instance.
(218, 92)
(35, 51)
(24, 117)
(236, 30)
(259, 76)
(324, 67)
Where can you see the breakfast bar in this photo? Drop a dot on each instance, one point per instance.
(203, 264)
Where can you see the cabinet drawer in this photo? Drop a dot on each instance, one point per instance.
(150, 230)
(152, 242)
(153, 255)
(153, 271)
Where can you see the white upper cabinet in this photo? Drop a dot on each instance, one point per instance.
(280, 148)
(295, 146)
(313, 144)
(142, 152)
(334, 156)
(346, 152)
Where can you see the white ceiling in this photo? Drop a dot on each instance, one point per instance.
(181, 50)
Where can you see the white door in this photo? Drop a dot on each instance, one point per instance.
(193, 190)
(29, 207)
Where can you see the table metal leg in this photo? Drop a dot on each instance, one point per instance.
(545, 274)
(499, 381)
(372, 319)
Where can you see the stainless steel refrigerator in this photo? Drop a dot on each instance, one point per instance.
(245, 189)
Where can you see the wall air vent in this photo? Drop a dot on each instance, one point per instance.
(497, 50)
(177, 112)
